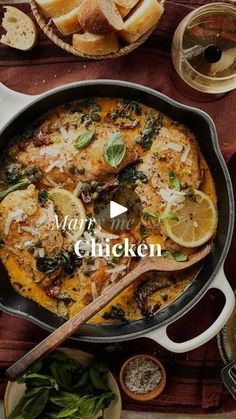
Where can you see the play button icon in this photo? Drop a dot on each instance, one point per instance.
(116, 209)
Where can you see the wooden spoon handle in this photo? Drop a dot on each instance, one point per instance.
(72, 325)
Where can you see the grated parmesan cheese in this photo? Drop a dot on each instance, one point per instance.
(17, 215)
(185, 153)
(170, 195)
(116, 269)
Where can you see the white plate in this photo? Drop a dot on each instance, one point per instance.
(14, 391)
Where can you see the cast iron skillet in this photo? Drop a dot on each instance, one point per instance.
(202, 125)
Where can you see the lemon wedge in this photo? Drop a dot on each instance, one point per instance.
(193, 222)
(71, 207)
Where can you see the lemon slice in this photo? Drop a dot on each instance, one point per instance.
(71, 207)
(191, 223)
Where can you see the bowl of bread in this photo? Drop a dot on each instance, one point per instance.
(97, 29)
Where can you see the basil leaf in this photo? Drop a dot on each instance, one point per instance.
(65, 400)
(34, 409)
(19, 185)
(165, 252)
(169, 216)
(179, 256)
(114, 150)
(97, 380)
(84, 139)
(33, 391)
(39, 380)
(66, 413)
(150, 214)
(174, 181)
(16, 414)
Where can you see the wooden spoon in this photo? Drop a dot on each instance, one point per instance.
(68, 328)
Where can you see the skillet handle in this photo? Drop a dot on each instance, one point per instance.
(160, 335)
(11, 102)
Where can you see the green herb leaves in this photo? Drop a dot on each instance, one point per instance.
(19, 185)
(84, 139)
(174, 181)
(58, 387)
(114, 150)
(179, 256)
(150, 214)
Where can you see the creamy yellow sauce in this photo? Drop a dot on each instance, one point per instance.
(73, 284)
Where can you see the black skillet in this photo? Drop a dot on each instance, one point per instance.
(211, 275)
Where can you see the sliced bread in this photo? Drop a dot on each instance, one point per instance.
(21, 32)
(55, 8)
(88, 43)
(100, 16)
(143, 17)
(125, 6)
(68, 23)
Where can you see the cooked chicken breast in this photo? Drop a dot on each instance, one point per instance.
(28, 231)
(175, 150)
(56, 159)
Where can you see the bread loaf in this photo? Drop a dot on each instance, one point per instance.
(144, 16)
(125, 6)
(68, 23)
(100, 16)
(55, 8)
(92, 44)
(21, 32)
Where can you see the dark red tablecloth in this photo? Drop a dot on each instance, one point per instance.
(193, 385)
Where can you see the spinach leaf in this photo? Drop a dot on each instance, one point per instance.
(114, 150)
(143, 230)
(174, 181)
(43, 196)
(130, 174)
(115, 313)
(22, 184)
(151, 129)
(49, 264)
(84, 139)
(97, 380)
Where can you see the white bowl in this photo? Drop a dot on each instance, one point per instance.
(14, 391)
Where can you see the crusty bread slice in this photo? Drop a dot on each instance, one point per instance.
(55, 8)
(125, 6)
(21, 32)
(100, 16)
(144, 16)
(68, 23)
(88, 43)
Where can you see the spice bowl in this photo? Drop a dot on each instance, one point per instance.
(142, 377)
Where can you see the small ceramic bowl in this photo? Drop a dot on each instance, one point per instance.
(14, 391)
(151, 394)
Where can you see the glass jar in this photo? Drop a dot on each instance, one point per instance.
(204, 48)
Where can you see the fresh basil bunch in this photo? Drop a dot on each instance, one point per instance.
(58, 387)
